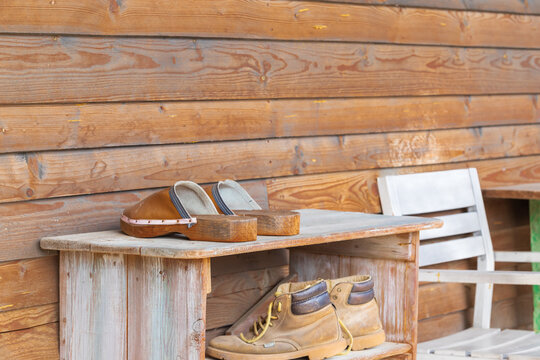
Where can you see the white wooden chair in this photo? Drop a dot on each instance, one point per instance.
(424, 193)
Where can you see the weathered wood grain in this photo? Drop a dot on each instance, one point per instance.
(228, 265)
(28, 283)
(40, 342)
(63, 69)
(226, 309)
(166, 308)
(439, 326)
(518, 191)
(316, 227)
(67, 126)
(510, 313)
(253, 279)
(510, 6)
(396, 247)
(277, 20)
(93, 313)
(28, 317)
(357, 190)
(25, 223)
(54, 174)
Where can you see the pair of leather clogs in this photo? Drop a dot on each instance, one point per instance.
(229, 214)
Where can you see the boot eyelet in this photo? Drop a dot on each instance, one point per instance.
(339, 290)
(334, 297)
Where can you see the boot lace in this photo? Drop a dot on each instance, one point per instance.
(349, 335)
(259, 333)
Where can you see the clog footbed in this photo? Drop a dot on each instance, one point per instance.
(231, 199)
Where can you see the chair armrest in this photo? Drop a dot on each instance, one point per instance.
(480, 276)
(517, 256)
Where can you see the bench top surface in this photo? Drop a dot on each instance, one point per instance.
(520, 191)
(316, 227)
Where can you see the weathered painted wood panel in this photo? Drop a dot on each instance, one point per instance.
(278, 20)
(63, 69)
(94, 288)
(158, 286)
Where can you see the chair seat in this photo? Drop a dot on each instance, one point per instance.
(485, 343)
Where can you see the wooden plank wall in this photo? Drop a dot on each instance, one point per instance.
(102, 102)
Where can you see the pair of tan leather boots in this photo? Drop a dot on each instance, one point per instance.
(317, 319)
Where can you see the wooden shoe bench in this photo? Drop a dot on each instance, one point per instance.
(129, 298)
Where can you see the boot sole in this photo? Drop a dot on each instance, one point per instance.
(314, 353)
(208, 228)
(368, 341)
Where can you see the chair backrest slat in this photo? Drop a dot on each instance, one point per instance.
(456, 224)
(451, 250)
(433, 192)
(439, 192)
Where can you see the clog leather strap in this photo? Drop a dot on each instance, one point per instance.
(181, 210)
(219, 200)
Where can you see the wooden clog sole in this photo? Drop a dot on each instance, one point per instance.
(219, 228)
(274, 222)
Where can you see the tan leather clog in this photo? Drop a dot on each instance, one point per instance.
(185, 208)
(231, 199)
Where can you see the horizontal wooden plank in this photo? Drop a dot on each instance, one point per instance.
(233, 264)
(27, 222)
(276, 20)
(226, 309)
(61, 216)
(54, 173)
(28, 283)
(518, 191)
(509, 313)
(63, 69)
(357, 190)
(455, 224)
(40, 342)
(396, 247)
(241, 281)
(68, 126)
(451, 250)
(316, 227)
(439, 326)
(507, 6)
(28, 317)
(480, 276)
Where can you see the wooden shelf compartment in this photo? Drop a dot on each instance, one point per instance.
(123, 297)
